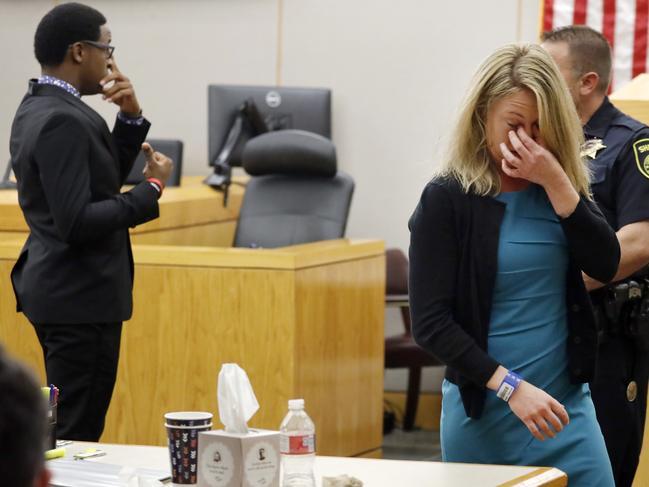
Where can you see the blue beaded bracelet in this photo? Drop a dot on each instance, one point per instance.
(509, 384)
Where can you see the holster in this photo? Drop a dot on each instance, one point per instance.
(637, 322)
(623, 310)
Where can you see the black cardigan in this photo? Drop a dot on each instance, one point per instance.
(453, 263)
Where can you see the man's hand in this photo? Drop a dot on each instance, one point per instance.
(157, 165)
(121, 91)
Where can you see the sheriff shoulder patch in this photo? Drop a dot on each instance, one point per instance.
(641, 152)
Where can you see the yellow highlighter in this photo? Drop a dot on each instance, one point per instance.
(55, 453)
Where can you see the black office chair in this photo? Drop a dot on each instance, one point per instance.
(296, 194)
(171, 148)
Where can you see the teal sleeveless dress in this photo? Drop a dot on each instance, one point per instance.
(528, 333)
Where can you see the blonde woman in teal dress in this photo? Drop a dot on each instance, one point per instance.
(499, 241)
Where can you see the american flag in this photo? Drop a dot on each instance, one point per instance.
(623, 23)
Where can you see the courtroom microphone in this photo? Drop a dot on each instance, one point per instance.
(6, 183)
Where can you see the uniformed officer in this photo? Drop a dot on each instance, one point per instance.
(617, 148)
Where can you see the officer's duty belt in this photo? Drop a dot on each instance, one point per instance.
(622, 309)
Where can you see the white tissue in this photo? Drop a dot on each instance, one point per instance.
(128, 478)
(237, 401)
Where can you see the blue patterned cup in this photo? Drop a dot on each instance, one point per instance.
(182, 434)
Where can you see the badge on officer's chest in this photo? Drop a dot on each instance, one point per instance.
(590, 148)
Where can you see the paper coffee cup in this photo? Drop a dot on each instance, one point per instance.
(182, 435)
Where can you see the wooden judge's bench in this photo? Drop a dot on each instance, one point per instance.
(190, 214)
(303, 321)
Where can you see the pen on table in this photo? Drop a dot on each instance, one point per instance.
(89, 453)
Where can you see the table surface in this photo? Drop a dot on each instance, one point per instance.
(373, 472)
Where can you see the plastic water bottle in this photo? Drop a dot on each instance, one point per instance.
(297, 446)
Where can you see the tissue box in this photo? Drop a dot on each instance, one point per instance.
(238, 460)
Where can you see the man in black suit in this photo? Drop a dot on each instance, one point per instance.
(73, 279)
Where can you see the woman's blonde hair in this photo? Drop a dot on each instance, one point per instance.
(512, 68)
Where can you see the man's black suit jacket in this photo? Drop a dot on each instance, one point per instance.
(76, 265)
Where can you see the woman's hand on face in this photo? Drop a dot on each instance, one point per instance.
(530, 159)
(543, 415)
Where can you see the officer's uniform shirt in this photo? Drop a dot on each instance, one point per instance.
(620, 185)
(620, 170)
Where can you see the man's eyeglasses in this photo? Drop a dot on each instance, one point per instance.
(100, 45)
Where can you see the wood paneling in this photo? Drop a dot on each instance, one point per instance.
(220, 234)
(13, 236)
(339, 347)
(189, 321)
(633, 98)
(193, 203)
(190, 214)
(304, 321)
(16, 333)
(11, 216)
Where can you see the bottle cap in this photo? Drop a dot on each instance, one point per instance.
(296, 404)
